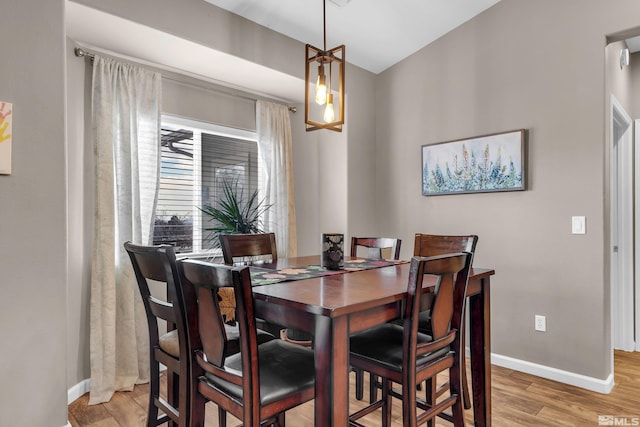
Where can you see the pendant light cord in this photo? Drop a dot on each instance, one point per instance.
(324, 22)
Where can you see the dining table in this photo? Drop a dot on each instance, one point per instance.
(298, 293)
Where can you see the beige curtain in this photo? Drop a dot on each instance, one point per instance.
(275, 148)
(126, 135)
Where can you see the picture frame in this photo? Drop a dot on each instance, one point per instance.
(6, 110)
(480, 164)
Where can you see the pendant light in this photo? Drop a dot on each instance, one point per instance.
(320, 109)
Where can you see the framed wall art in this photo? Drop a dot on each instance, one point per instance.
(480, 164)
(5, 137)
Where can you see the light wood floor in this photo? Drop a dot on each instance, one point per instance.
(517, 399)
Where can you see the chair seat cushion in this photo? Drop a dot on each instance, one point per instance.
(285, 369)
(233, 338)
(383, 345)
(169, 343)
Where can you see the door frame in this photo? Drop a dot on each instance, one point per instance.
(622, 262)
(636, 146)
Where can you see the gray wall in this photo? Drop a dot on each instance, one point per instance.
(33, 221)
(521, 64)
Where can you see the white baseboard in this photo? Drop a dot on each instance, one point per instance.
(78, 390)
(566, 377)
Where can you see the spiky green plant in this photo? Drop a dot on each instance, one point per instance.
(234, 214)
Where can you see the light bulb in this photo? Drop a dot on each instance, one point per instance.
(321, 87)
(329, 113)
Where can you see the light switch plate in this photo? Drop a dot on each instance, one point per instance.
(578, 225)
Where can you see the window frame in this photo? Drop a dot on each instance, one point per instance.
(199, 127)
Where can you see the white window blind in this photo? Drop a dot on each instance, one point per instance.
(195, 160)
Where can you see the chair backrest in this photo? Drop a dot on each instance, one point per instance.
(377, 247)
(209, 339)
(248, 245)
(447, 306)
(427, 245)
(158, 263)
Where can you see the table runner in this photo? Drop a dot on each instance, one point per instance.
(262, 276)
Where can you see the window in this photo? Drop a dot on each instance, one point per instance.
(196, 158)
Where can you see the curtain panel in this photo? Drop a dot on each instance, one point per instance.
(126, 137)
(276, 154)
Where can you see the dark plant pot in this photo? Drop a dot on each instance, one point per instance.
(333, 251)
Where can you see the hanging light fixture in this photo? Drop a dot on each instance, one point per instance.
(320, 109)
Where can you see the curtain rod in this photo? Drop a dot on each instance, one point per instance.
(81, 53)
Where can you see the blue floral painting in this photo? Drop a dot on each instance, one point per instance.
(474, 165)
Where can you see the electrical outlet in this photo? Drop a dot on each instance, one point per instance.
(541, 323)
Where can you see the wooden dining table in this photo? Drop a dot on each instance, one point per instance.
(333, 307)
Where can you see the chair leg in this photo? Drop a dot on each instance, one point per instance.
(359, 383)
(184, 393)
(466, 398)
(154, 392)
(386, 402)
(222, 417)
(173, 381)
(409, 405)
(373, 388)
(197, 413)
(430, 386)
(457, 410)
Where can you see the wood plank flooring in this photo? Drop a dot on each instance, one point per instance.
(519, 400)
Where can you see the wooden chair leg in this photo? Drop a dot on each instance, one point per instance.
(466, 398)
(457, 410)
(222, 418)
(172, 393)
(183, 391)
(387, 401)
(197, 413)
(359, 383)
(176, 399)
(430, 395)
(373, 388)
(154, 392)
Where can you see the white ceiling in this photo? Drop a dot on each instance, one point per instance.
(377, 33)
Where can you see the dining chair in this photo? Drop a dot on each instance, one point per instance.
(158, 264)
(431, 245)
(375, 248)
(435, 244)
(256, 385)
(399, 353)
(249, 248)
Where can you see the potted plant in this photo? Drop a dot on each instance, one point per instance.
(235, 213)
